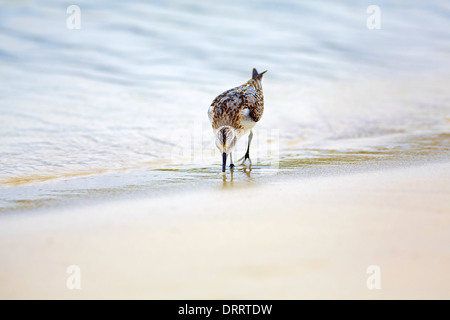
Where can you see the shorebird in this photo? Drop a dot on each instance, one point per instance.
(234, 113)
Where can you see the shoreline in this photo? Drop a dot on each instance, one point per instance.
(139, 182)
(296, 239)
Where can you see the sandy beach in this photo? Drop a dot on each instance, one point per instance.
(299, 239)
(110, 183)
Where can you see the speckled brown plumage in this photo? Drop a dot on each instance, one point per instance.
(240, 107)
(235, 112)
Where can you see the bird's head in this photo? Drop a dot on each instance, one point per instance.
(225, 141)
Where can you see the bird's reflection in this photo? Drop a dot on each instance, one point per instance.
(247, 172)
(228, 181)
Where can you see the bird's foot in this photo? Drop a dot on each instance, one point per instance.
(244, 158)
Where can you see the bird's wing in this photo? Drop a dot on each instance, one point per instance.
(253, 101)
(221, 96)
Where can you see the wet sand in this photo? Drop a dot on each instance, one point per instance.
(308, 238)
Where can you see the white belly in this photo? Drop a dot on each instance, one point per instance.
(247, 122)
(248, 125)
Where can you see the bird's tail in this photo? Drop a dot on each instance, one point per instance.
(256, 75)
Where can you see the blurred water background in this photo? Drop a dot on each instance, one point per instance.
(119, 105)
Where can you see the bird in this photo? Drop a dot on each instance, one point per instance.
(234, 113)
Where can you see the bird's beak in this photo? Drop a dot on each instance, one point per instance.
(224, 161)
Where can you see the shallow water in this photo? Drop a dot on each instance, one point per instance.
(119, 106)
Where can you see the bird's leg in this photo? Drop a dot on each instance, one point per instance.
(224, 162)
(231, 161)
(247, 154)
